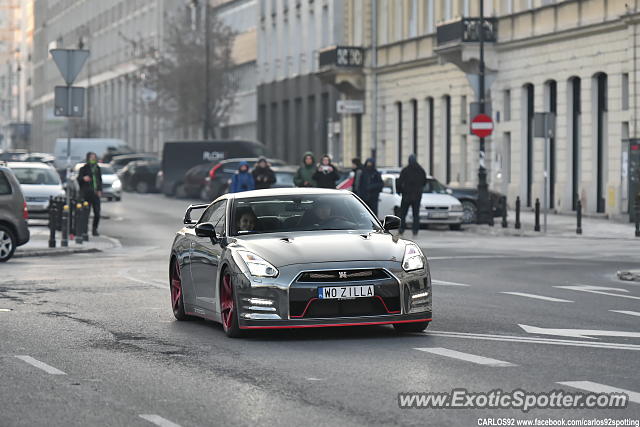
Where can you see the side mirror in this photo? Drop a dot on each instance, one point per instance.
(187, 215)
(391, 222)
(449, 191)
(387, 190)
(206, 229)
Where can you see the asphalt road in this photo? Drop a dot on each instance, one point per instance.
(90, 339)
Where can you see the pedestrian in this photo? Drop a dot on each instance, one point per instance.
(263, 175)
(326, 174)
(356, 168)
(242, 180)
(370, 185)
(90, 183)
(411, 185)
(304, 175)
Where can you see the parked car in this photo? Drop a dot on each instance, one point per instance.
(140, 176)
(284, 179)
(436, 207)
(180, 156)
(14, 230)
(218, 177)
(119, 162)
(38, 157)
(469, 199)
(12, 155)
(38, 182)
(81, 146)
(111, 184)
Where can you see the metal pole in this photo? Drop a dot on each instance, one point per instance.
(374, 74)
(546, 169)
(67, 224)
(484, 212)
(206, 131)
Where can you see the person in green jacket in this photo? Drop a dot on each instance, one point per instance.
(304, 175)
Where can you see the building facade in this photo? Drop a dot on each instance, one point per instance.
(296, 109)
(577, 59)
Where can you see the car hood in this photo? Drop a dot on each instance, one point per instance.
(41, 190)
(331, 246)
(434, 199)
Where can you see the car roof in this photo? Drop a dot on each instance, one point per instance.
(247, 159)
(133, 156)
(397, 175)
(286, 168)
(284, 192)
(33, 165)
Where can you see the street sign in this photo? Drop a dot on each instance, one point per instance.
(482, 125)
(350, 106)
(69, 62)
(63, 106)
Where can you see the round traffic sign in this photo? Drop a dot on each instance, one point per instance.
(482, 125)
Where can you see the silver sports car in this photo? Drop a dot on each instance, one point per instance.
(297, 258)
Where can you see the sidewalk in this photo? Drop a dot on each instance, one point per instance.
(38, 244)
(558, 225)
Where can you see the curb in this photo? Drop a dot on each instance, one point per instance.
(55, 252)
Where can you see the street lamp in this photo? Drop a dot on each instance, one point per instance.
(206, 124)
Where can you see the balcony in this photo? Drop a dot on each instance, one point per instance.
(342, 66)
(458, 43)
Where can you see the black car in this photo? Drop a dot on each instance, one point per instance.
(12, 155)
(119, 162)
(140, 176)
(216, 181)
(469, 199)
(180, 156)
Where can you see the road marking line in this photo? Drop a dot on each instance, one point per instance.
(125, 274)
(578, 333)
(445, 283)
(158, 420)
(531, 340)
(601, 388)
(480, 360)
(630, 313)
(598, 290)
(314, 379)
(469, 257)
(4, 310)
(522, 294)
(41, 365)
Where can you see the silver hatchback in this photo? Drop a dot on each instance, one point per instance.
(14, 231)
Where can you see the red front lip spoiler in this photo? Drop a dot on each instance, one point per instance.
(336, 324)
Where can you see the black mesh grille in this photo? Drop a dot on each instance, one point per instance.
(345, 308)
(342, 276)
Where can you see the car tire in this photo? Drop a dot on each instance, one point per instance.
(117, 199)
(469, 212)
(410, 327)
(109, 199)
(455, 227)
(175, 285)
(142, 187)
(228, 306)
(7, 243)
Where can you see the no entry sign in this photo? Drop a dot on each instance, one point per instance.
(482, 125)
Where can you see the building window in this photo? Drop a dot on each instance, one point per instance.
(574, 94)
(506, 157)
(399, 128)
(414, 122)
(527, 117)
(506, 105)
(399, 18)
(600, 104)
(625, 91)
(447, 12)
(446, 132)
(465, 8)
(430, 128)
(463, 109)
(413, 18)
(383, 21)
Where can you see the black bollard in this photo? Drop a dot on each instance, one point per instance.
(52, 223)
(518, 213)
(79, 213)
(85, 221)
(64, 241)
(504, 212)
(536, 227)
(579, 217)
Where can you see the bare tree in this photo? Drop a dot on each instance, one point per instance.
(175, 77)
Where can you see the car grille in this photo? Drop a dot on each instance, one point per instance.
(342, 276)
(317, 308)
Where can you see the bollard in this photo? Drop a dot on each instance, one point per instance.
(579, 217)
(638, 215)
(518, 213)
(52, 223)
(85, 221)
(72, 220)
(64, 241)
(504, 212)
(536, 227)
(79, 213)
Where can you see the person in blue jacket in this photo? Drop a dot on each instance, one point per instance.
(242, 180)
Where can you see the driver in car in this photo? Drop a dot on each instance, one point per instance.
(246, 220)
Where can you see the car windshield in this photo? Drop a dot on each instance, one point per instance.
(433, 186)
(106, 170)
(284, 179)
(36, 176)
(287, 213)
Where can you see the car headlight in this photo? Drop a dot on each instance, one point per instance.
(258, 267)
(117, 185)
(413, 258)
(456, 208)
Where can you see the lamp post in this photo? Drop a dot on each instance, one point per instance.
(484, 208)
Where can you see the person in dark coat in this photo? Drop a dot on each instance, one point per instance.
(304, 174)
(263, 175)
(411, 184)
(242, 180)
(90, 183)
(326, 174)
(356, 167)
(370, 185)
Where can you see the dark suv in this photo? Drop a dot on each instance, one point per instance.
(14, 231)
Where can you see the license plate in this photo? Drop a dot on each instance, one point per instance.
(345, 292)
(438, 214)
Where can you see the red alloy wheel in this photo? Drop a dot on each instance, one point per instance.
(227, 305)
(176, 292)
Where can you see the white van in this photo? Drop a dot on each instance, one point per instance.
(81, 146)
